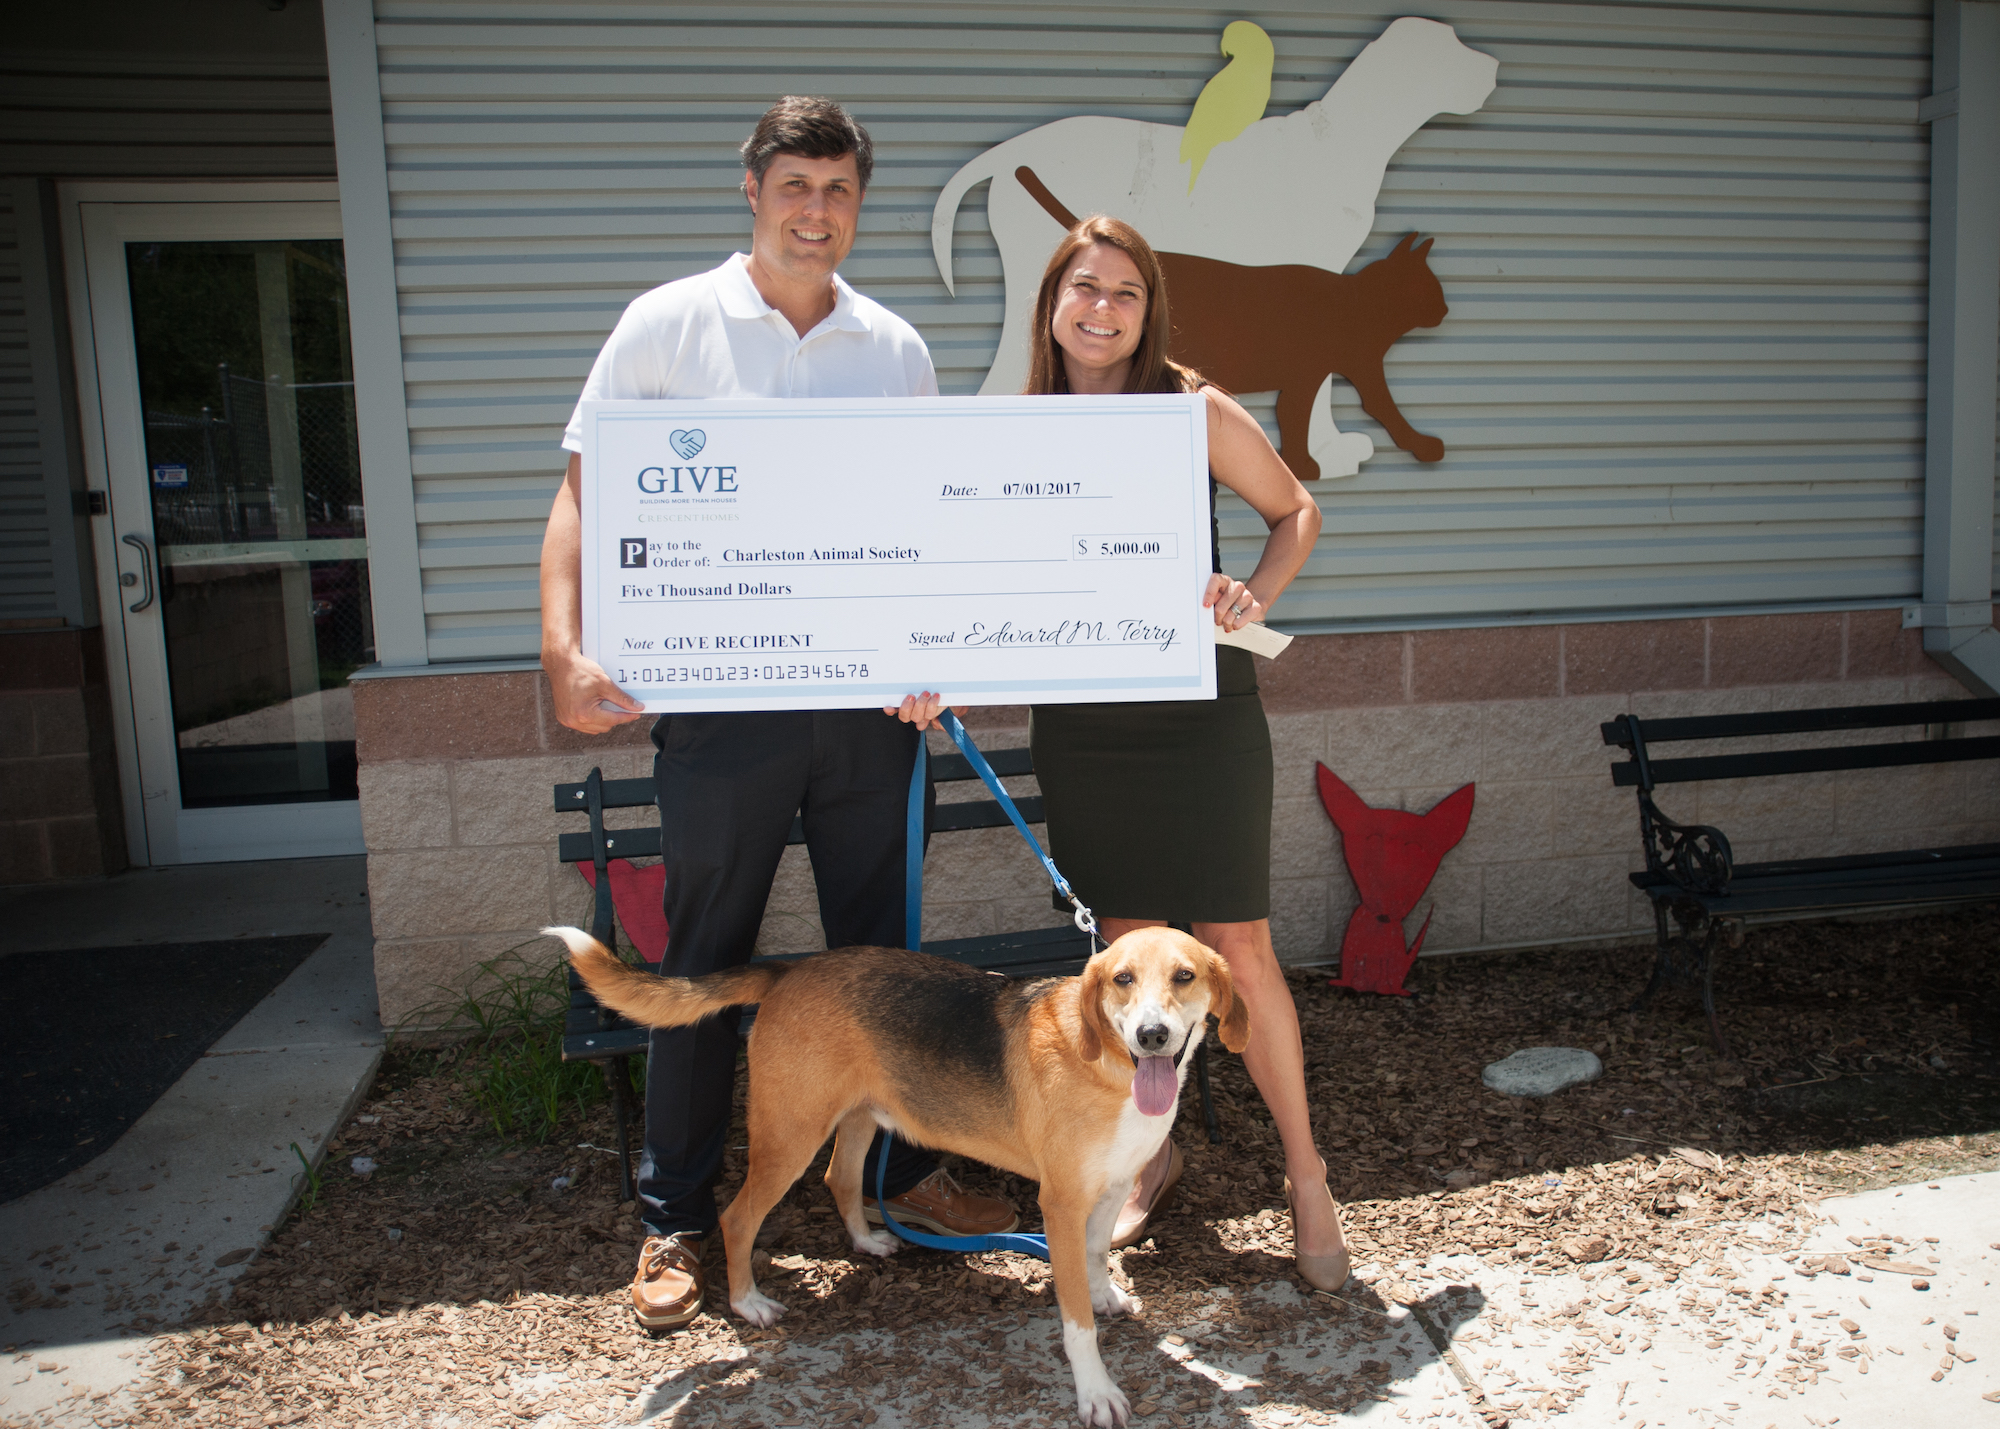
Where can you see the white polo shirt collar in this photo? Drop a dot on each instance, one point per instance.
(741, 300)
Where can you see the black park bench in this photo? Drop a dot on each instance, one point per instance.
(595, 1034)
(1692, 877)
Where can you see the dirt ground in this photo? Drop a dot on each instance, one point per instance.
(464, 1272)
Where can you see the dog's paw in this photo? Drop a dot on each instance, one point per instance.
(1103, 1406)
(877, 1243)
(1114, 1302)
(758, 1308)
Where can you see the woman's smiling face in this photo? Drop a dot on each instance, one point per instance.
(1100, 314)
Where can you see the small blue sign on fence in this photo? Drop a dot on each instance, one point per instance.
(170, 475)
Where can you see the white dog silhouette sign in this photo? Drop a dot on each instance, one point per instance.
(1248, 209)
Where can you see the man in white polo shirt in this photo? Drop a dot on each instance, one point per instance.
(777, 323)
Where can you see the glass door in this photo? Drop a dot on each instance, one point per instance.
(227, 386)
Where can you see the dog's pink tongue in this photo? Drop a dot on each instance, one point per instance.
(1154, 1085)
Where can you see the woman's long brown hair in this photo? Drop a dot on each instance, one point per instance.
(1150, 371)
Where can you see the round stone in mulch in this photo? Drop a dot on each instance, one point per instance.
(1542, 1071)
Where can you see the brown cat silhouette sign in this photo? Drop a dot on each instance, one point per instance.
(1284, 328)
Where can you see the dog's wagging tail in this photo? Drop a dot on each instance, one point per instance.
(655, 1001)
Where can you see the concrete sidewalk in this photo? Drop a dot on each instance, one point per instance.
(1780, 1341)
(171, 1214)
(1775, 1340)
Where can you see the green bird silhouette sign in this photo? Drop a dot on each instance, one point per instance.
(1234, 99)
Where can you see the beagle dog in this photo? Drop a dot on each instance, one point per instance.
(1070, 1082)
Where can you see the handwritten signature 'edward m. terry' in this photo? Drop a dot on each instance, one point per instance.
(1069, 632)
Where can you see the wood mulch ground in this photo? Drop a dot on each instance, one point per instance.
(465, 1276)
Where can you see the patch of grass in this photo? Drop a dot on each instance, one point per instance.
(309, 1193)
(509, 1026)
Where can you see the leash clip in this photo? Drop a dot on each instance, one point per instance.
(1085, 920)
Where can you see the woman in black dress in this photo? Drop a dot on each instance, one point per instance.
(1161, 812)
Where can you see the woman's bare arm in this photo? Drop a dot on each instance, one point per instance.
(1243, 460)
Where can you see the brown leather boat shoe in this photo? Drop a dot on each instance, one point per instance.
(667, 1290)
(941, 1206)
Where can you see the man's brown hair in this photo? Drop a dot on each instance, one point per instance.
(1150, 371)
(812, 128)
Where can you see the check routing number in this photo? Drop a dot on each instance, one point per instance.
(822, 554)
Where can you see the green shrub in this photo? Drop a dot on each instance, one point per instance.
(510, 1020)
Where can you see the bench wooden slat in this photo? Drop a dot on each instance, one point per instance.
(1035, 952)
(1806, 879)
(618, 794)
(1806, 761)
(641, 793)
(1913, 858)
(951, 768)
(636, 843)
(645, 842)
(983, 814)
(619, 843)
(1751, 725)
(602, 1046)
(1751, 899)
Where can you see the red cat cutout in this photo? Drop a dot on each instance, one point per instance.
(1393, 856)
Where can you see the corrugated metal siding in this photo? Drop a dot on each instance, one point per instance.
(1683, 248)
(127, 116)
(27, 569)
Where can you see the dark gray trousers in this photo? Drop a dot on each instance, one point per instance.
(729, 785)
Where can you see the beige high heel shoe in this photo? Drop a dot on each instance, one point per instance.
(1322, 1272)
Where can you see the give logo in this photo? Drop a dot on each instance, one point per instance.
(688, 442)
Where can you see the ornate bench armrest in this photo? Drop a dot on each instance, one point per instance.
(1694, 856)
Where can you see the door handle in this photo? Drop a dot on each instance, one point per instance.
(145, 567)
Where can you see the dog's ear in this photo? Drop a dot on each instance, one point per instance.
(1090, 1010)
(1228, 1008)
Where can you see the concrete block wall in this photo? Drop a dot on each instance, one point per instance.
(456, 777)
(60, 813)
(456, 773)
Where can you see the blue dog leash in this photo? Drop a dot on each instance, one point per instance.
(913, 920)
(1018, 1242)
(913, 857)
(913, 852)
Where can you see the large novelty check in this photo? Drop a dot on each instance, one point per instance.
(820, 554)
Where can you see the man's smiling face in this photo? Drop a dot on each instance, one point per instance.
(806, 214)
